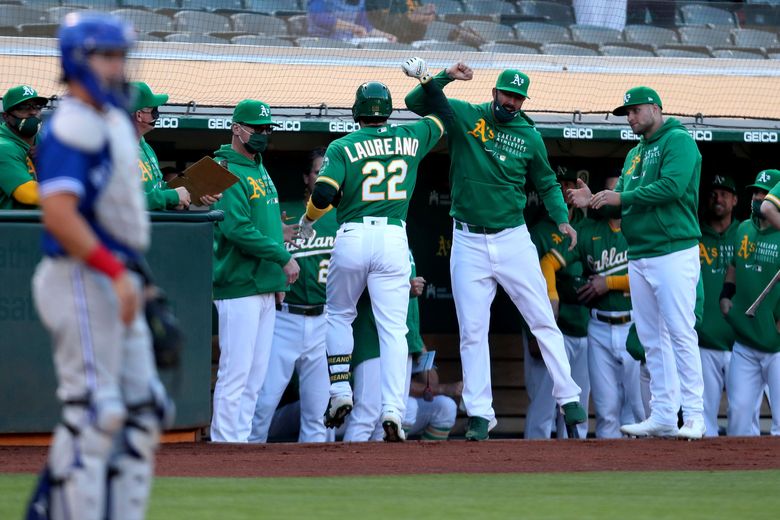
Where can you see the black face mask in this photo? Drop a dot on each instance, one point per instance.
(257, 143)
(501, 114)
(26, 127)
(755, 207)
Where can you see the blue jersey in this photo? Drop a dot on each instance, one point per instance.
(94, 155)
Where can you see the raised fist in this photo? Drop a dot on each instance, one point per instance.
(416, 68)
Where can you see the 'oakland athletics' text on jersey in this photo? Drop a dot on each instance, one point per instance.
(716, 251)
(376, 168)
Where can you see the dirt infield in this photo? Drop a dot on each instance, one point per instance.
(457, 456)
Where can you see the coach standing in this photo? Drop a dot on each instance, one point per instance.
(657, 196)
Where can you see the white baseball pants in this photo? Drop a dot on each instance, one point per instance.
(371, 254)
(438, 414)
(715, 370)
(750, 370)
(480, 262)
(298, 345)
(663, 293)
(246, 330)
(614, 378)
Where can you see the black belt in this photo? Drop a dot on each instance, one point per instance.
(482, 230)
(313, 310)
(613, 320)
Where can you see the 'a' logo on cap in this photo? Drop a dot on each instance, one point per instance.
(720, 180)
(28, 91)
(764, 177)
(263, 111)
(518, 80)
(627, 97)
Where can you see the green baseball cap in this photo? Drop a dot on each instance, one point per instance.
(638, 96)
(19, 94)
(252, 112)
(723, 182)
(515, 81)
(766, 180)
(145, 98)
(564, 173)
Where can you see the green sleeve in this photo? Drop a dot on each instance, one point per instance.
(774, 196)
(429, 132)
(241, 231)
(13, 170)
(415, 100)
(679, 164)
(160, 198)
(334, 167)
(543, 177)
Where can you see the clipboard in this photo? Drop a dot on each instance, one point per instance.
(424, 362)
(205, 177)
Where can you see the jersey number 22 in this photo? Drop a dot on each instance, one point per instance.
(375, 174)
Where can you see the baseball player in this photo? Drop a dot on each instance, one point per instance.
(755, 361)
(716, 338)
(300, 328)
(252, 268)
(375, 169)
(657, 197)
(432, 406)
(22, 108)
(614, 374)
(494, 148)
(572, 319)
(95, 221)
(770, 208)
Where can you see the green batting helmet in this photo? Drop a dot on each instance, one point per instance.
(372, 100)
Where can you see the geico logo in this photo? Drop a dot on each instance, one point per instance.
(288, 126)
(578, 133)
(343, 126)
(628, 135)
(219, 123)
(167, 122)
(701, 135)
(760, 137)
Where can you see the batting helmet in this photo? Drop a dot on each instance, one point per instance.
(372, 100)
(82, 34)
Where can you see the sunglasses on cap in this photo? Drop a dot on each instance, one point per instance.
(29, 107)
(259, 129)
(155, 112)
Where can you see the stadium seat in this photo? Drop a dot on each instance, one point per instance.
(275, 7)
(42, 30)
(637, 50)
(568, 49)
(212, 5)
(682, 52)
(268, 41)
(150, 4)
(537, 32)
(739, 54)
(761, 15)
(488, 31)
(753, 38)
(594, 34)
(188, 37)
(38, 4)
(56, 14)
(707, 36)
(103, 5)
(13, 15)
(144, 37)
(509, 48)
(200, 22)
(546, 11)
(774, 55)
(444, 46)
(650, 35)
(441, 31)
(489, 7)
(698, 14)
(253, 23)
(145, 21)
(444, 7)
(298, 25)
(325, 43)
(386, 46)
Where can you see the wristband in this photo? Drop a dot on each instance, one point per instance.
(101, 259)
(728, 291)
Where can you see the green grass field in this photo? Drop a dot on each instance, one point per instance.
(674, 495)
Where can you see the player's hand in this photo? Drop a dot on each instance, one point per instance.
(291, 271)
(580, 196)
(605, 198)
(725, 305)
(290, 232)
(208, 200)
(596, 286)
(569, 231)
(184, 196)
(280, 297)
(460, 71)
(127, 296)
(306, 227)
(416, 68)
(417, 285)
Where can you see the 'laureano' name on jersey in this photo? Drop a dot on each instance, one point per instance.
(610, 259)
(386, 146)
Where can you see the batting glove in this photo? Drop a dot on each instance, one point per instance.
(307, 228)
(416, 68)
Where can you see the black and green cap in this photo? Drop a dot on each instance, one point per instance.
(145, 98)
(723, 182)
(252, 112)
(512, 80)
(19, 94)
(638, 96)
(766, 180)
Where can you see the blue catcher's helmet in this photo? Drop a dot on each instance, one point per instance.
(82, 34)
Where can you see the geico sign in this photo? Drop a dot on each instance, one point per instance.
(343, 126)
(760, 137)
(578, 133)
(219, 123)
(628, 135)
(701, 135)
(167, 122)
(288, 126)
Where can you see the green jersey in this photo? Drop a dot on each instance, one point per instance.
(572, 316)
(158, 194)
(774, 196)
(312, 255)
(490, 162)
(603, 251)
(716, 251)
(757, 259)
(376, 168)
(16, 167)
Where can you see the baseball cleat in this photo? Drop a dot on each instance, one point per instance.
(574, 413)
(649, 428)
(339, 406)
(391, 424)
(693, 429)
(478, 428)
